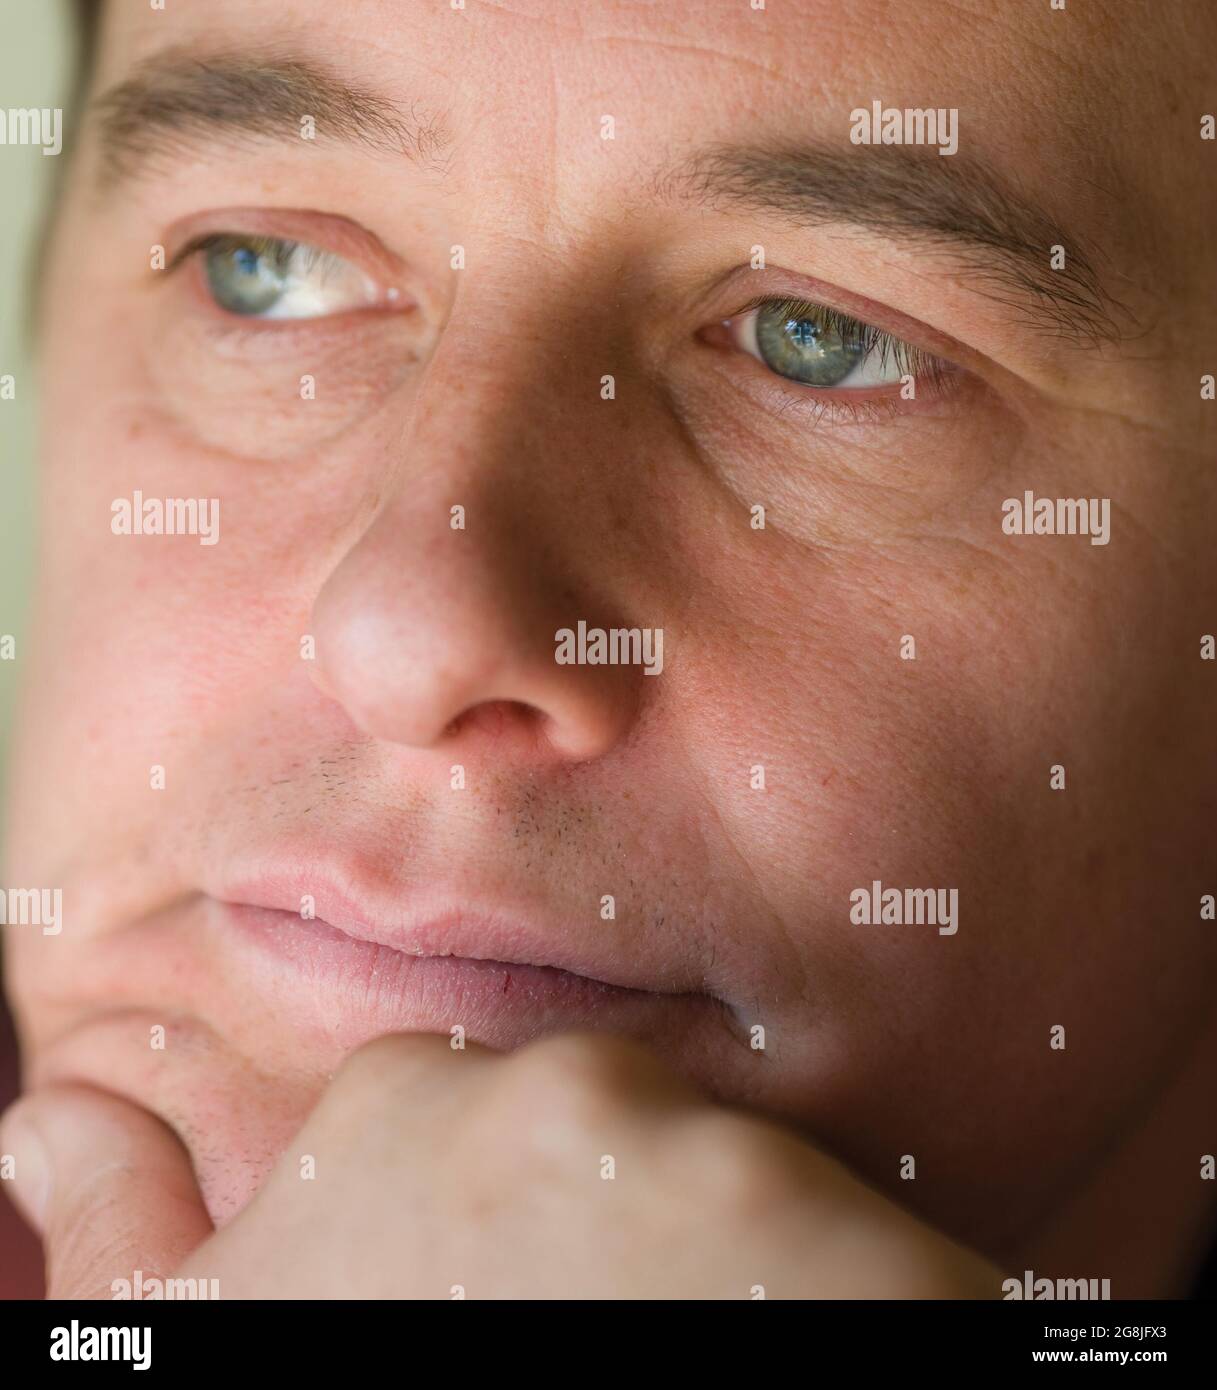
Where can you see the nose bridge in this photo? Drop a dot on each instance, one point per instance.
(510, 421)
(509, 396)
(452, 599)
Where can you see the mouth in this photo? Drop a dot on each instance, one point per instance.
(351, 969)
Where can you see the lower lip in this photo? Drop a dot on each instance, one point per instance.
(358, 989)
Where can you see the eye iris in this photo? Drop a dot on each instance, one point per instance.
(244, 278)
(806, 349)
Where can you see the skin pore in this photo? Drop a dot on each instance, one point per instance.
(481, 387)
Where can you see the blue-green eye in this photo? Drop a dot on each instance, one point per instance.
(808, 348)
(818, 346)
(269, 278)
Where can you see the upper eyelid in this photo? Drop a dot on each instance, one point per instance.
(337, 236)
(887, 337)
(785, 283)
(320, 261)
(905, 352)
(880, 333)
(206, 240)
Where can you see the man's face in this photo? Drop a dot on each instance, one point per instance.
(353, 700)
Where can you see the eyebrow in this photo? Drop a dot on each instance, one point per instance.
(174, 100)
(960, 208)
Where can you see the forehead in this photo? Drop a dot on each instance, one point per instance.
(525, 94)
(1023, 77)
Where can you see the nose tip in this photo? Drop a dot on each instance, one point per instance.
(434, 650)
(438, 629)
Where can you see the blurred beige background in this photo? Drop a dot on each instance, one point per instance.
(35, 54)
(34, 72)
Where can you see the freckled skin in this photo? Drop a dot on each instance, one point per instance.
(781, 646)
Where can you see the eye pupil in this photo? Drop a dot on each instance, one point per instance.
(245, 278)
(817, 352)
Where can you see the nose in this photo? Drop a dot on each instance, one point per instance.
(441, 623)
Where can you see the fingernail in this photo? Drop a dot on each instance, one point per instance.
(24, 1157)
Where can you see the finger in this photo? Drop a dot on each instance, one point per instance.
(415, 1060)
(108, 1185)
(420, 1073)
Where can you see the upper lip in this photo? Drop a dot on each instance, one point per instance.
(438, 924)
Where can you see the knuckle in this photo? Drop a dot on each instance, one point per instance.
(394, 1054)
(398, 1070)
(747, 1171)
(565, 1096)
(382, 1068)
(385, 1052)
(582, 1068)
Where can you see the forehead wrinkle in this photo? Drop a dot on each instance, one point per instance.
(692, 50)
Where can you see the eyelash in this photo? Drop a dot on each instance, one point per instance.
(282, 282)
(282, 249)
(935, 377)
(906, 356)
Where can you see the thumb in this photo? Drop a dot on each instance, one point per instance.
(108, 1185)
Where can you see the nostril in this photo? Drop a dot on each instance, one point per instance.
(494, 718)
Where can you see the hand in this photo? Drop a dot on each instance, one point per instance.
(577, 1167)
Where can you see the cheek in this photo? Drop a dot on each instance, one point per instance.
(838, 762)
(140, 643)
(934, 772)
(263, 394)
